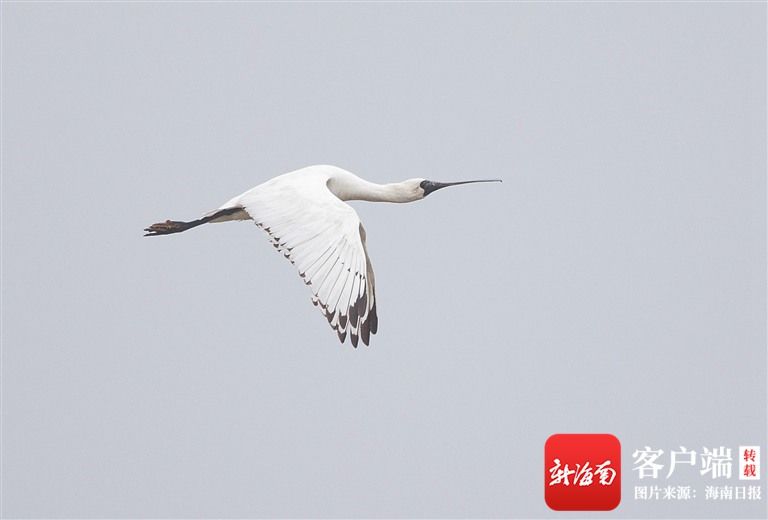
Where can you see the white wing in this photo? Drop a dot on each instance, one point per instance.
(324, 238)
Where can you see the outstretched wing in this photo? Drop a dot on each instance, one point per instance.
(324, 238)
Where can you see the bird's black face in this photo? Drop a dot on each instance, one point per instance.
(430, 186)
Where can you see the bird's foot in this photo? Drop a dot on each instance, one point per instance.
(165, 228)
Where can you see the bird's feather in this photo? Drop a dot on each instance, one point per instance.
(324, 238)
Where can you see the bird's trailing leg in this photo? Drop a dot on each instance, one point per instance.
(173, 226)
(170, 226)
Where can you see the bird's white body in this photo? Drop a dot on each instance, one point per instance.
(304, 214)
(341, 183)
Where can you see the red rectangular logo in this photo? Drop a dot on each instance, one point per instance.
(582, 472)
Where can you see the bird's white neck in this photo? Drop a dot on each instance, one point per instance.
(354, 188)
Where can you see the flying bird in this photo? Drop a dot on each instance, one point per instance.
(307, 220)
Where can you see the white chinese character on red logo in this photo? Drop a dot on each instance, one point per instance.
(559, 475)
(583, 475)
(606, 473)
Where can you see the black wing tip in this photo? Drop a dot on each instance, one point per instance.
(368, 326)
(365, 331)
(374, 319)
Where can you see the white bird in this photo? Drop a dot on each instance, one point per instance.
(307, 221)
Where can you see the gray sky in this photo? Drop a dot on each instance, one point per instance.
(615, 282)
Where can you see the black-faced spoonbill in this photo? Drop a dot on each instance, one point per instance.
(305, 217)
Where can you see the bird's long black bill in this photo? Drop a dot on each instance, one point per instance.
(429, 186)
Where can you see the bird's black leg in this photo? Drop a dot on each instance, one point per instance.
(171, 226)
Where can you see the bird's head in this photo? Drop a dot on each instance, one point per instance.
(428, 187)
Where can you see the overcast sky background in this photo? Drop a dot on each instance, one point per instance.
(615, 282)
